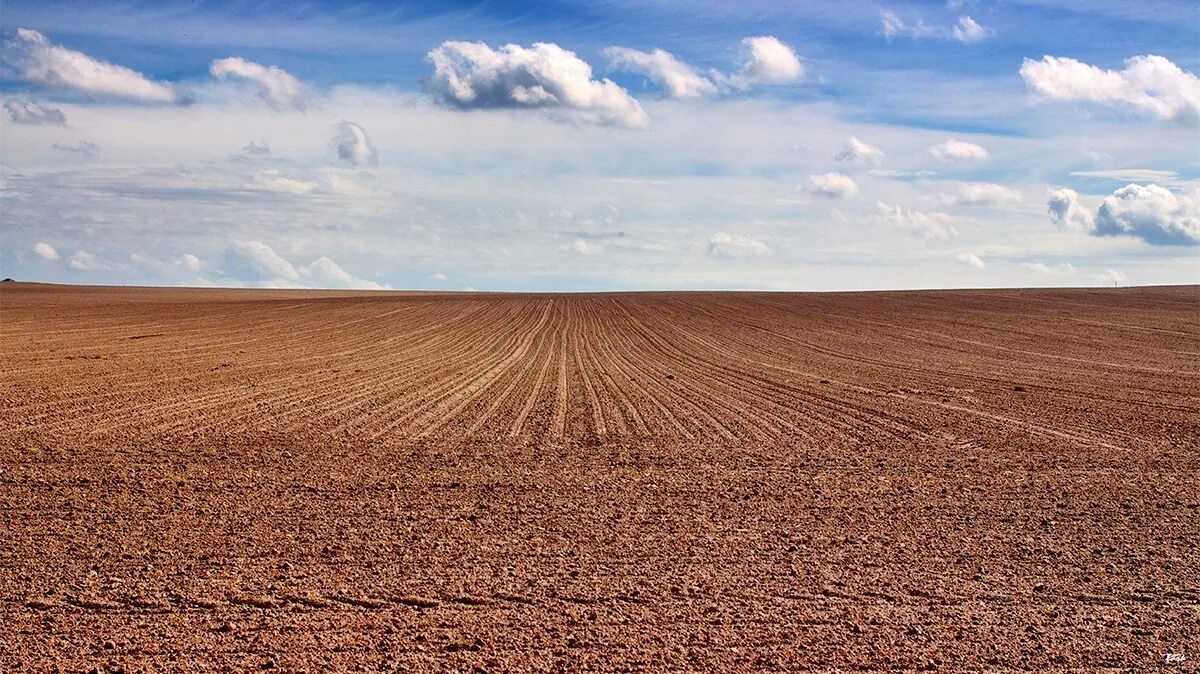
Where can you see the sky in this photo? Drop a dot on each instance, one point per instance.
(601, 145)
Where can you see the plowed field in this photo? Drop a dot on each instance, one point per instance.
(967, 481)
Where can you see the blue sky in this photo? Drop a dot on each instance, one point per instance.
(766, 145)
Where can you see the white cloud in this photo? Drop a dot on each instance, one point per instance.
(971, 260)
(769, 61)
(855, 151)
(968, 30)
(34, 113)
(277, 87)
(35, 59)
(353, 145)
(832, 185)
(726, 245)
(328, 274)
(1043, 268)
(1151, 85)
(256, 262)
(1139, 175)
(45, 251)
(584, 247)
(167, 171)
(892, 24)
(277, 181)
(678, 79)
(1151, 213)
(982, 194)
(958, 150)
(82, 260)
(1109, 276)
(438, 276)
(1068, 213)
(473, 75)
(189, 262)
(83, 147)
(928, 225)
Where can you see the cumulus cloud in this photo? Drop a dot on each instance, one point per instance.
(83, 147)
(971, 260)
(726, 245)
(256, 263)
(1151, 213)
(328, 274)
(982, 194)
(1112, 276)
(855, 151)
(1150, 85)
(958, 150)
(189, 262)
(277, 87)
(45, 251)
(769, 60)
(678, 79)
(832, 186)
(1068, 213)
(473, 75)
(353, 145)
(31, 112)
(33, 58)
(82, 260)
(928, 225)
(966, 30)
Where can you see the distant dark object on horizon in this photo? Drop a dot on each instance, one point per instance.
(8, 280)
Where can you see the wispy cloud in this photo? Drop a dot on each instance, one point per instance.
(276, 87)
(35, 59)
(678, 79)
(965, 29)
(954, 150)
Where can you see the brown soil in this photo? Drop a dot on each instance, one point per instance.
(967, 481)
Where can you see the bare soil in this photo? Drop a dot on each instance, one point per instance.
(221, 480)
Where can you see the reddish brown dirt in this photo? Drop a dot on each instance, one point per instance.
(967, 481)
